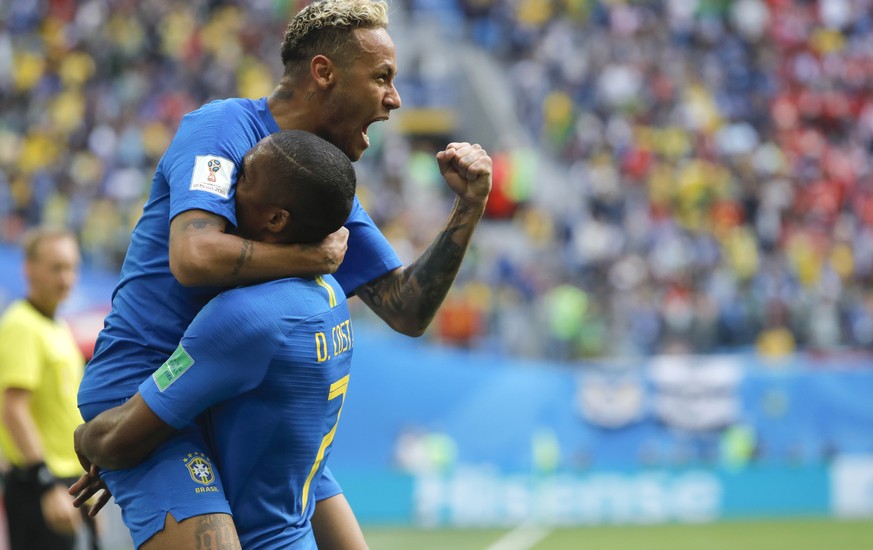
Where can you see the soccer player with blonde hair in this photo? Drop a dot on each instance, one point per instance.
(270, 389)
(338, 80)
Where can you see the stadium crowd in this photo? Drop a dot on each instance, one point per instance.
(719, 181)
(719, 193)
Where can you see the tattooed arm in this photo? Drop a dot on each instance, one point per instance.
(409, 297)
(202, 254)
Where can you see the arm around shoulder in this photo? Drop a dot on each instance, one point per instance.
(202, 253)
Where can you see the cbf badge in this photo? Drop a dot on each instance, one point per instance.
(200, 468)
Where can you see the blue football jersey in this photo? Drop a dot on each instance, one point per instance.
(150, 309)
(271, 363)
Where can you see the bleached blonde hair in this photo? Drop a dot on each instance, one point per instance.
(324, 27)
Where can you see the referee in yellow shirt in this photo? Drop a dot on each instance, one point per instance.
(40, 371)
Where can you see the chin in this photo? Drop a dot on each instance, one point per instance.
(355, 153)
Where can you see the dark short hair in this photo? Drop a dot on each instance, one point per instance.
(313, 180)
(324, 27)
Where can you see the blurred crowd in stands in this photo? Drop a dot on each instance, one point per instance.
(718, 191)
(719, 177)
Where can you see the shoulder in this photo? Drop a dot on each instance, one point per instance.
(235, 319)
(220, 106)
(22, 326)
(219, 113)
(225, 128)
(19, 313)
(245, 299)
(293, 292)
(283, 300)
(257, 305)
(330, 289)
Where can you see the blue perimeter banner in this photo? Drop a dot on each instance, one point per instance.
(483, 497)
(431, 436)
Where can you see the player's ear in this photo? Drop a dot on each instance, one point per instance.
(323, 71)
(278, 220)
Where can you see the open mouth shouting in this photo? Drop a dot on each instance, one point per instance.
(367, 126)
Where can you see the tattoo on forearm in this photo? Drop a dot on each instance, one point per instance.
(216, 533)
(245, 255)
(423, 285)
(386, 294)
(435, 271)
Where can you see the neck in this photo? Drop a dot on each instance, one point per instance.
(47, 309)
(293, 107)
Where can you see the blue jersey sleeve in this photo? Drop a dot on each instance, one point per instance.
(202, 163)
(369, 255)
(225, 352)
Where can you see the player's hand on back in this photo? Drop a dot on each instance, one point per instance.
(467, 170)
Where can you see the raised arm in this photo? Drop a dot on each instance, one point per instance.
(203, 254)
(408, 297)
(123, 436)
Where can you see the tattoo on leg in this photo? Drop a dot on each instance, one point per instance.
(245, 255)
(215, 533)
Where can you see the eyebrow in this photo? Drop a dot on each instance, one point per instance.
(388, 67)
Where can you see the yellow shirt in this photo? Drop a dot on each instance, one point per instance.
(39, 354)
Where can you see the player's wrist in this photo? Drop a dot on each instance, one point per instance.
(474, 207)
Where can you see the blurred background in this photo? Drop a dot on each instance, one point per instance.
(666, 315)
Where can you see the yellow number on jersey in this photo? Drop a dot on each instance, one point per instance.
(337, 389)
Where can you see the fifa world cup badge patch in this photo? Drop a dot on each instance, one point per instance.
(200, 468)
(212, 174)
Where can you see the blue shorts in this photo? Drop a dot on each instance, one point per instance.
(327, 486)
(177, 478)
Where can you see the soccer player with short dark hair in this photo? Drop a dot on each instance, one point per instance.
(338, 80)
(271, 359)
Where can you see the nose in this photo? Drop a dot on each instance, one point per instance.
(392, 99)
(68, 279)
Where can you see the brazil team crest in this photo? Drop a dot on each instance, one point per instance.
(200, 468)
